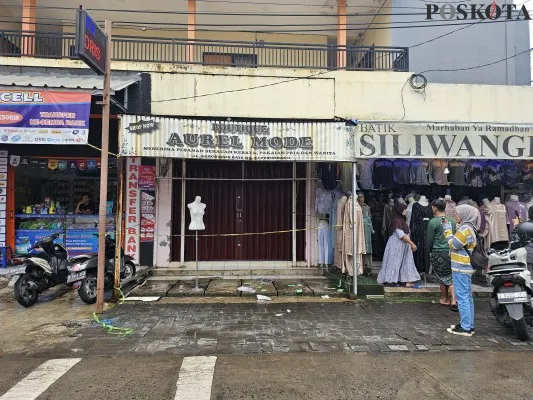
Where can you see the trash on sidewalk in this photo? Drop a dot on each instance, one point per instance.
(142, 298)
(261, 297)
(291, 285)
(289, 311)
(279, 315)
(246, 289)
(326, 297)
(299, 291)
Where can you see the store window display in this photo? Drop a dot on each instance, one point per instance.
(369, 230)
(422, 213)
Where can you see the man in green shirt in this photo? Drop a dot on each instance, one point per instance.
(440, 253)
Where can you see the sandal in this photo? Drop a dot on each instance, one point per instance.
(454, 308)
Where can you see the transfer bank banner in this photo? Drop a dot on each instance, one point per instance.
(46, 117)
(444, 140)
(235, 140)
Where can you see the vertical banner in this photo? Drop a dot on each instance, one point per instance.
(3, 197)
(147, 188)
(133, 208)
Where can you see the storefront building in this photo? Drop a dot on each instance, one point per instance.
(256, 178)
(259, 180)
(50, 141)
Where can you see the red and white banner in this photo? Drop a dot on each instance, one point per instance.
(133, 208)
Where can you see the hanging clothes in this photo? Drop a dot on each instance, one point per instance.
(438, 168)
(346, 177)
(382, 175)
(418, 227)
(337, 195)
(324, 200)
(476, 174)
(323, 245)
(402, 172)
(457, 173)
(365, 170)
(339, 238)
(450, 209)
(367, 222)
(348, 249)
(498, 224)
(527, 171)
(486, 214)
(388, 213)
(493, 170)
(511, 173)
(420, 173)
(328, 175)
(409, 212)
(516, 213)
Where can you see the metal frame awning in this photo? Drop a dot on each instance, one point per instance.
(55, 81)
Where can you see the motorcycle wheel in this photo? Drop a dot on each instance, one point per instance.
(87, 290)
(521, 329)
(25, 296)
(129, 270)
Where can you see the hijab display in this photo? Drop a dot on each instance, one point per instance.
(420, 217)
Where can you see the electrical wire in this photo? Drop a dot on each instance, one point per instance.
(184, 29)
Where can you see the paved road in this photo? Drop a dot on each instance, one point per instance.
(451, 375)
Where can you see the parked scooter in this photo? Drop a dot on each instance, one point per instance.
(511, 301)
(33, 274)
(89, 266)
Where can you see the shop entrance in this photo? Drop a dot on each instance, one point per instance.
(243, 199)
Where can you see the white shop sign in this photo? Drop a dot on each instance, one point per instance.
(440, 140)
(232, 140)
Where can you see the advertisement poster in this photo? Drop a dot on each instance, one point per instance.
(146, 177)
(26, 239)
(147, 216)
(42, 116)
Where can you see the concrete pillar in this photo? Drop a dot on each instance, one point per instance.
(341, 34)
(163, 225)
(29, 20)
(191, 30)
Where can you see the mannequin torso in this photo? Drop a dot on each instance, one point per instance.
(197, 210)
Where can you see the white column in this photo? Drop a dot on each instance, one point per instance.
(163, 224)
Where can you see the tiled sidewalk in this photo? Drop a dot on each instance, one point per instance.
(198, 329)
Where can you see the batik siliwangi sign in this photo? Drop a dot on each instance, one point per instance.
(236, 140)
(44, 117)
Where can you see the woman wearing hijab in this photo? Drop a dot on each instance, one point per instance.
(461, 245)
(398, 262)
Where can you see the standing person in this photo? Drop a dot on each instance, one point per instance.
(398, 263)
(440, 252)
(461, 246)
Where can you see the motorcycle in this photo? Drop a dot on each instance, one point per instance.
(511, 301)
(88, 266)
(33, 274)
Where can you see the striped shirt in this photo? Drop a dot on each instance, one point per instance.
(463, 238)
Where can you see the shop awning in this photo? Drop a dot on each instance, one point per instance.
(67, 81)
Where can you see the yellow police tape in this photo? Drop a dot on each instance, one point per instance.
(112, 330)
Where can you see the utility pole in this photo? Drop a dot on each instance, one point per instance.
(102, 215)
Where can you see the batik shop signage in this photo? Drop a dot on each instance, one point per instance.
(440, 140)
(228, 140)
(44, 117)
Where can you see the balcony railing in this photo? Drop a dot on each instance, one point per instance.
(214, 52)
